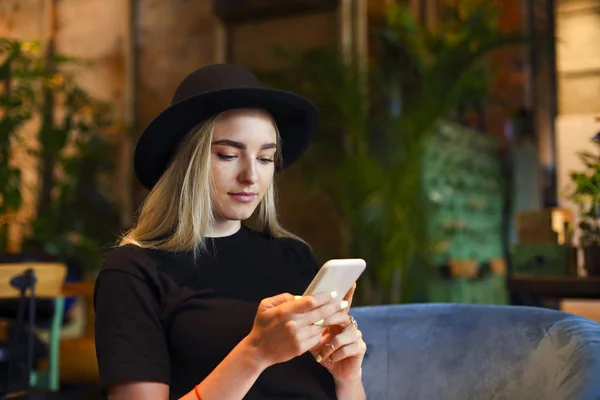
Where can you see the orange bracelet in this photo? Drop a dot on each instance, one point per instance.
(197, 392)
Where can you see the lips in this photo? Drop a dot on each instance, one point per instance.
(243, 197)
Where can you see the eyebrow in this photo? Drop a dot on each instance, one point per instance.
(242, 146)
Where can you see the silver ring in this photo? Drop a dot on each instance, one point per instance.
(332, 346)
(353, 321)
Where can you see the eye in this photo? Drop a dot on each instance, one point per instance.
(226, 156)
(266, 160)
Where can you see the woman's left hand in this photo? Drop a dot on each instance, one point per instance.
(342, 349)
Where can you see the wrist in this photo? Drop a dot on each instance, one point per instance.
(353, 380)
(351, 388)
(251, 350)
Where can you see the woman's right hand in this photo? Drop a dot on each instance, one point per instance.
(287, 326)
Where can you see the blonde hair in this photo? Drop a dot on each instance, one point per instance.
(178, 212)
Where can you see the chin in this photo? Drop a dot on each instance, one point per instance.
(239, 213)
(237, 216)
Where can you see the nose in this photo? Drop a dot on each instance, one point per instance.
(249, 175)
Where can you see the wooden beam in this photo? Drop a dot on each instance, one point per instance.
(235, 11)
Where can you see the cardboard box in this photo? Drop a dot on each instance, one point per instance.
(552, 225)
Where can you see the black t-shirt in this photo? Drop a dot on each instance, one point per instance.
(163, 317)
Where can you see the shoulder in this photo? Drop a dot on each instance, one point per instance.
(126, 258)
(135, 261)
(129, 269)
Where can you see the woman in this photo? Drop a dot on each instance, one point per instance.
(193, 304)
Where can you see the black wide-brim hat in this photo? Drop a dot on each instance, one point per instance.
(209, 91)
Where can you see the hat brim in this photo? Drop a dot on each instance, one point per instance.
(295, 116)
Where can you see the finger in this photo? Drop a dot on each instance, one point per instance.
(355, 349)
(326, 337)
(318, 315)
(310, 337)
(339, 341)
(310, 331)
(350, 295)
(303, 304)
(311, 342)
(340, 318)
(272, 302)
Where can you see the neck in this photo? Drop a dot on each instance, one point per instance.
(221, 228)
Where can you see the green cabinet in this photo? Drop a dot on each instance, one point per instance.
(462, 178)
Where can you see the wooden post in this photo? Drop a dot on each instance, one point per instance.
(432, 14)
(345, 26)
(361, 42)
(8, 230)
(415, 6)
(221, 48)
(125, 177)
(47, 161)
(361, 33)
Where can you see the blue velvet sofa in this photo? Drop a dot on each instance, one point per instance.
(478, 352)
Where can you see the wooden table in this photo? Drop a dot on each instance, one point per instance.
(556, 286)
(78, 356)
(78, 289)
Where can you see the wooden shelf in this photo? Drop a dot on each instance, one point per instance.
(556, 286)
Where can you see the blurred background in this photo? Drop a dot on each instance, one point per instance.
(457, 152)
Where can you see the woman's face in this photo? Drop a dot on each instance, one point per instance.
(242, 162)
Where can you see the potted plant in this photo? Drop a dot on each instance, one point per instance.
(70, 149)
(585, 193)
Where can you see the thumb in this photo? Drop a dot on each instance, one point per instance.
(271, 302)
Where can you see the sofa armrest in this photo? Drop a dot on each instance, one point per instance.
(565, 365)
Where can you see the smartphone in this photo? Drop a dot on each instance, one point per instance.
(337, 275)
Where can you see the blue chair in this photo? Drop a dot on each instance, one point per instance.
(478, 352)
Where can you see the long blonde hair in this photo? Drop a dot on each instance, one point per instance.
(178, 212)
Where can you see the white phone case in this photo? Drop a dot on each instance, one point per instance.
(337, 275)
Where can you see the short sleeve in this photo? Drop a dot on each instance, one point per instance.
(130, 341)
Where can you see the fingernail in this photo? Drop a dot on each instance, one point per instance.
(343, 304)
(333, 294)
(319, 358)
(320, 322)
(297, 297)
